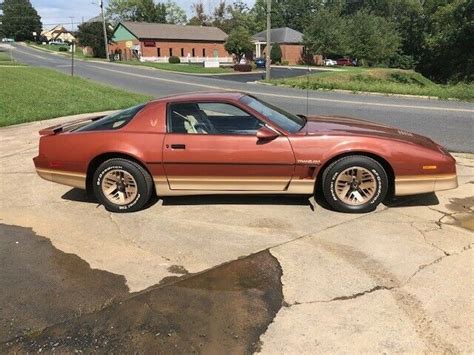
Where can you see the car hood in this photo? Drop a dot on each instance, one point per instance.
(338, 125)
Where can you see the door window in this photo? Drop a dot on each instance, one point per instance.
(211, 118)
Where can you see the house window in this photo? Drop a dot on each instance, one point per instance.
(158, 52)
(182, 52)
(204, 52)
(171, 52)
(194, 53)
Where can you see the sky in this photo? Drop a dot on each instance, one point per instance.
(55, 12)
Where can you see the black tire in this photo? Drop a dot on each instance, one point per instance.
(336, 169)
(144, 184)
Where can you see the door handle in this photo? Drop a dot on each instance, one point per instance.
(178, 146)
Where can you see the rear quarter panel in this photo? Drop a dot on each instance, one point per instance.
(141, 139)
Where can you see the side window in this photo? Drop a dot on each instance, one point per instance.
(211, 118)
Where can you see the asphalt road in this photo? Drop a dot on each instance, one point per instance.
(447, 122)
(277, 73)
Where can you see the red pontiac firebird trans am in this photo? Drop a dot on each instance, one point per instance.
(234, 143)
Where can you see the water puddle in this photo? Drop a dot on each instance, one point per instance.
(222, 310)
(41, 285)
(463, 209)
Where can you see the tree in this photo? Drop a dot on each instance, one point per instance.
(296, 14)
(449, 43)
(368, 42)
(19, 20)
(239, 42)
(174, 13)
(91, 34)
(275, 53)
(407, 15)
(200, 18)
(229, 16)
(137, 10)
(328, 34)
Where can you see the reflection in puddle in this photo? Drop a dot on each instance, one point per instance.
(222, 310)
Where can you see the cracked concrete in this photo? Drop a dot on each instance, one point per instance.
(396, 280)
(412, 261)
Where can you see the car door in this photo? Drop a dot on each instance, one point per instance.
(213, 146)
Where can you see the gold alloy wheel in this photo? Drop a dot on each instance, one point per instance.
(119, 187)
(355, 186)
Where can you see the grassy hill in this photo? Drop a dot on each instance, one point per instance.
(389, 81)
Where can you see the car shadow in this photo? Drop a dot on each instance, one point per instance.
(78, 195)
(290, 200)
(429, 199)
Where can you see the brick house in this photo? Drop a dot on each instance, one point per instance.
(290, 42)
(157, 42)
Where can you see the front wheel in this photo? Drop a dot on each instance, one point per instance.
(122, 185)
(354, 184)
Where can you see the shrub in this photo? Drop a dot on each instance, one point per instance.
(174, 60)
(243, 67)
(275, 53)
(402, 61)
(285, 62)
(63, 49)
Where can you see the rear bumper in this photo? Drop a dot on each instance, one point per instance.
(419, 184)
(63, 177)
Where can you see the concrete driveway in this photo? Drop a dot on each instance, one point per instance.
(229, 274)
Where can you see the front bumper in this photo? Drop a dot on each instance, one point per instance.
(420, 184)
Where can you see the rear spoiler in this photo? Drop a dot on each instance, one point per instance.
(62, 127)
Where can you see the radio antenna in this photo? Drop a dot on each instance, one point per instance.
(307, 91)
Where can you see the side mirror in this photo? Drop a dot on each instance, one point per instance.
(266, 133)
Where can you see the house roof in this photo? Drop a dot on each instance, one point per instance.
(174, 32)
(58, 31)
(280, 35)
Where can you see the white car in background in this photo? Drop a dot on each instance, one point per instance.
(329, 62)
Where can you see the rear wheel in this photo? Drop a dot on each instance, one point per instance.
(354, 184)
(122, 185)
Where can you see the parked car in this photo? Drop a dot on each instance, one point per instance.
(345, 62)
(234, 143)
(58, 43)
(329, 62)
(8, 40)
(260, 62)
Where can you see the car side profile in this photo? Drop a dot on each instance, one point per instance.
(234, 143)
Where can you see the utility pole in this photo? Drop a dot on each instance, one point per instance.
(101, 4)
(269, 44)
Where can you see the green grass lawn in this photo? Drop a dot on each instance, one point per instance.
(6, 60)
(389, 81)
(32, 94)
(181, 68)
(55, 48)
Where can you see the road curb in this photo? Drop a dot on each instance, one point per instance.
(366, 93)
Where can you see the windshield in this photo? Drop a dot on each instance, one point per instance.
(114, 121)
(281, 118)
